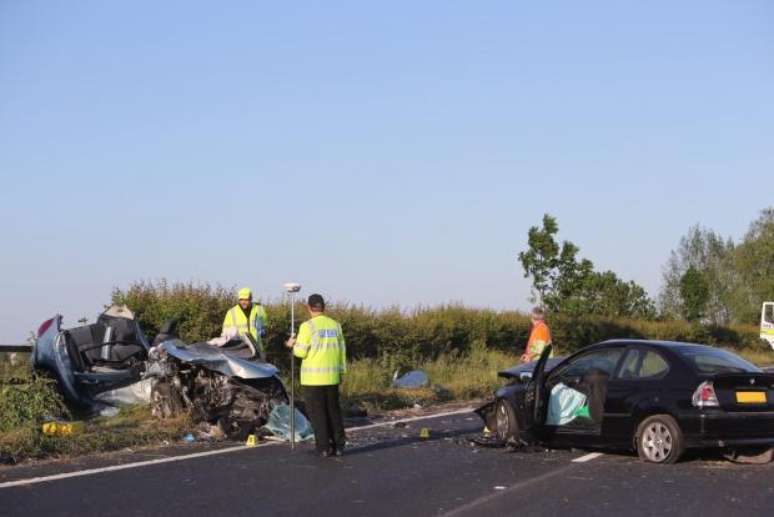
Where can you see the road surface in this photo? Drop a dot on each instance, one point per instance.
(387, 471)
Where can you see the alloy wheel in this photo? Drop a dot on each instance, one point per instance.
(657, 442)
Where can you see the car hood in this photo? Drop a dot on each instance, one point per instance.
(516, 372)
(213, 358)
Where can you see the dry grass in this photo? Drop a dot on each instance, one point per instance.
(26, 401)
(452, 377)
(132, 427)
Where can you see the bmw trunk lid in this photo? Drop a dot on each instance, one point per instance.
(745, 391)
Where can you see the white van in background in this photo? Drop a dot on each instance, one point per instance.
(767, 323)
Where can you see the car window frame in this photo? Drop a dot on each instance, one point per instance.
(687, 357)
(557, 372)
(644, 350)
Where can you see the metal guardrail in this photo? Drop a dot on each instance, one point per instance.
(15, 348)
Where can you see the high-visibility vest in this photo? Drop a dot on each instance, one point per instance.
(538, 339)
(320, 343)
(235, 318)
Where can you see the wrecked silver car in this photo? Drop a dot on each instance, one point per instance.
(224, 382)
(223, 386)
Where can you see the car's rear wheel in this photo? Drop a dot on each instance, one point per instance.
(659, 440)
(505, 420)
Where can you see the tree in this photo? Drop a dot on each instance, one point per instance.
(694, 292)
(708, 253)
(545, 261)
(569, 285)
(752, 281)
(738, 277)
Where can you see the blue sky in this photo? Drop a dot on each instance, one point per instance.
(381, 154)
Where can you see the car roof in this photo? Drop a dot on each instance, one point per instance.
(669, 345)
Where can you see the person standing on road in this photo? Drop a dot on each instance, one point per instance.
(320, 345)
(246, 317)
(539, 337)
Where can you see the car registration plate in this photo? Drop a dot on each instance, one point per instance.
(751, 397)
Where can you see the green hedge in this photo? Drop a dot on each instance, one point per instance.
(423, 333)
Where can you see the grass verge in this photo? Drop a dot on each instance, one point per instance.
(27, 401)
(452, 376)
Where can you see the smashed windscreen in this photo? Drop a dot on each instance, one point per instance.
(714, 360)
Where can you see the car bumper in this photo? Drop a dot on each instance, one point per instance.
(703, 428)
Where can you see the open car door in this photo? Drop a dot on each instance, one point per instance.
(535, 399)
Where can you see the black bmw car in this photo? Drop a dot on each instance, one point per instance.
(658, 398)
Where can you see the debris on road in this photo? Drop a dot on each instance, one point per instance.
(412, 380)
(751, 455)
(209, 432)
(279, 424)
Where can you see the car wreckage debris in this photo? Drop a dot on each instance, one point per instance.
(197, 382)
(101, 366)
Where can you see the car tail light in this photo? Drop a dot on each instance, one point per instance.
(704, 396)
(45, 326)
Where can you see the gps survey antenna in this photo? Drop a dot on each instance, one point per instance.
(292, 288)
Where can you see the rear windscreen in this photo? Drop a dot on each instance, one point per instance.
(712, 360)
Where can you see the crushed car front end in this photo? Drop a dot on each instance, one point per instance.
(235, 394)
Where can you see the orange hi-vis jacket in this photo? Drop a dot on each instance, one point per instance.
(539, 337)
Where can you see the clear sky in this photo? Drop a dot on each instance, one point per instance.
(380, 153)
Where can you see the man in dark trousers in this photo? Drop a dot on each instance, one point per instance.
(320, 345)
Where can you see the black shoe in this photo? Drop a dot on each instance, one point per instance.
(339, 451)
(325, 454)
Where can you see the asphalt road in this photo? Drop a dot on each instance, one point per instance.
(390, 471)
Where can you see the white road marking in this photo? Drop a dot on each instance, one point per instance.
(113, 468)
(137, 464)
(500, 490)
(588, 457)
(471, 506)
(411, 419)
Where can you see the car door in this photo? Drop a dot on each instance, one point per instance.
(638, 381)
(530, 412)
(576, 393)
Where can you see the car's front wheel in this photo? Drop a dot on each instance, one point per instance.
(659, 439)
(505, 420)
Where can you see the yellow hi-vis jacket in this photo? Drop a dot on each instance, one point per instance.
(235, 318)
(320, 343)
